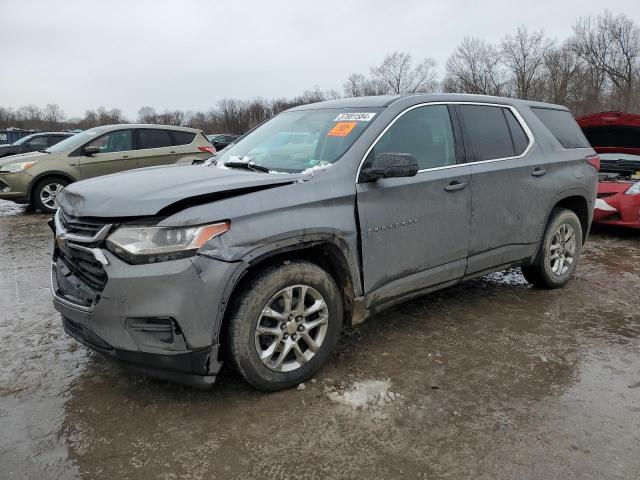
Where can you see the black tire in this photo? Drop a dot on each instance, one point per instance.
(247, 312)
(541, 272)
(37, 193)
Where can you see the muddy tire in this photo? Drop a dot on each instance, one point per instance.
(559, 252)
(284, 325)
(44, 193)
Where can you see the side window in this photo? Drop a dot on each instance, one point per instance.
(486, 129)
(424, 132)
(519, 137)
(118, 141)
(53, 139)
(182, 138)
(38, 142)
(230, 138)
(153, 138)
(563, 126)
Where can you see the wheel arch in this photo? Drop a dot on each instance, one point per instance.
(48, 173)
(575, 200)
(579, 205)
(325, 254)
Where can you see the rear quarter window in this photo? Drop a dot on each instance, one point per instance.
(562, 126)
(182, 138)
(519, 137)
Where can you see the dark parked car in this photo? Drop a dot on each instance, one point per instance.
(222, 140)
(259, 259)
(33, 143)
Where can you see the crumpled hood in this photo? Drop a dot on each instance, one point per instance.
(148, 191)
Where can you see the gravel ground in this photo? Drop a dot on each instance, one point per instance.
(489, 380)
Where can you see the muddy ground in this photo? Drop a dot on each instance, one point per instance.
(491, 379)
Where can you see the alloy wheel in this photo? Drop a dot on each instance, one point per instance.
(49, 193)
(292, 327)
(562, 249)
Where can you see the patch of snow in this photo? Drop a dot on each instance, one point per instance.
(508, 277)
(316, 169)
(368, 395)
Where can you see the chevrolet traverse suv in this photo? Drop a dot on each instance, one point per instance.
(258, 259)
(38, 177)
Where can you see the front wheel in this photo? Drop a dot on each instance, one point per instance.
(45, 192)
(284, 325)
(559, 253)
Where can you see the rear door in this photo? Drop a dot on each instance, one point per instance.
(509, 185)
(415, 231)
(116, 154)
(184, 147)
(154, 147)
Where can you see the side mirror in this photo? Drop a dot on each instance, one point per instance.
(89, 151)
(391, 165)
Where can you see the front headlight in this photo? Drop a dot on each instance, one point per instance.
(634, 190)
(160, 244)
(17, 167)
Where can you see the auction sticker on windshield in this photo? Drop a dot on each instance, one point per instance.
(358, 117)
(342, 129)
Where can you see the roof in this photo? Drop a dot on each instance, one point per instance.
(145, 125)
(414, 98)
(53, 133)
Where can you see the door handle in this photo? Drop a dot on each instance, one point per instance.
(455, 185)
(172, 152)
(538, 171)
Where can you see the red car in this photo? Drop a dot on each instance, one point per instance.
(616, 138)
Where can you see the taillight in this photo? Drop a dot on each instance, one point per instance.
(594, 161)
(212, 150)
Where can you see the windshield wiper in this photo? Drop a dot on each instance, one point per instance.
(247, 166)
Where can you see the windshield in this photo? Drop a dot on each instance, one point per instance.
(74, 141)
(296, 141)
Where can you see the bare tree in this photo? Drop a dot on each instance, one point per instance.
(523, 54)
(474, 67)
(147, 114)
(563, 73)
(611, 44)
(396, 75)
(53, 115)
(357, 85)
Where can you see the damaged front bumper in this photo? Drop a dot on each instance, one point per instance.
(162, 319)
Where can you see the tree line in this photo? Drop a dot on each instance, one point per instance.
(597, 68)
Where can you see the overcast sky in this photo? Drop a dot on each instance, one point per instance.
(188, 54)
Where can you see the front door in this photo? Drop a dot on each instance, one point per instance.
(116, 152)
(415, 230)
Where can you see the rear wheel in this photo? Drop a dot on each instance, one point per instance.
(284, 325)
(45, 192)
(559, 253)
